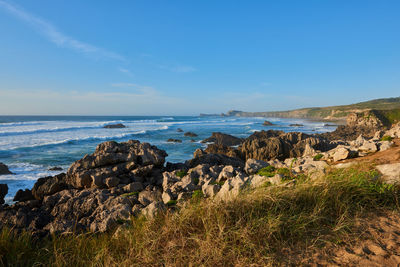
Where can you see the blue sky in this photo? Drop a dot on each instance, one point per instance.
(186, 57)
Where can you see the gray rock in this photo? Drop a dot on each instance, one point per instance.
(114, 126)
(391, 172)
(153, 209)
(133, 187)
(254, 165)
(210, 190)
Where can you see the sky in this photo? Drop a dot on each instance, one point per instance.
(100, 57)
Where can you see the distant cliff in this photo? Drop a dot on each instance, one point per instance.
(326, 113)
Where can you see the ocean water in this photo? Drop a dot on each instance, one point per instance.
(30, 145)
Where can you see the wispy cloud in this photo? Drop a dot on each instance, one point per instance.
(126, 71)
(178, 68)
(50, 32)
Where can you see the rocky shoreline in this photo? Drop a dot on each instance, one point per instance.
(119, 180)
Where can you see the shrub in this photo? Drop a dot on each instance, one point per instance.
(181, 173)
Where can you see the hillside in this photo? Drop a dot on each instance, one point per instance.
(327, 113)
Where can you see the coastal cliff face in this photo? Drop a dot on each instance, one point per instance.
(333, 113)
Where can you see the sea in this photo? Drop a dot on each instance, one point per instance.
(31, 145)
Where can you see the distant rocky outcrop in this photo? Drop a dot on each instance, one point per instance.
(223, 139)
(4, 169)
(114, 126)
(267, 123)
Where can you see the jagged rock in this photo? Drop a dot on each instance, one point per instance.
(232, 187)
(341, 153)
(23, 195)
(129, 161)
(198, 152)
(394, 131)
(223, 139)
(179, 130)
(152, 209)
(3, 192)
(385, 145)
(166, 196)
(4, 169)
(267, 145)
(224, 150)
(133, 187)
(114, 126)
(146, 197)
(391, 172)
(190, 134)
(49, 185)
(254, 165)
(309, 151)
(378, 135)
(368, 147)
(210, 190)
(214, 159)
(267, 123)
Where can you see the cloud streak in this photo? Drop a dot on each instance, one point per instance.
(51, 33)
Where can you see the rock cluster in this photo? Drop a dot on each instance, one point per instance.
(223, 139)
(114, 126)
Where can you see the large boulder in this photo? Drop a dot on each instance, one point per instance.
(130, 161)
(4, 169)
(3, 192)
(223, 139)
(254, 165)
(49, 185)
(390, 172)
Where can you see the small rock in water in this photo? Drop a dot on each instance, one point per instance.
(179, 130)
(55, 168)
(267, 123)
(190, 134)
(171, 140)
(296, 125)
(4, 169)
(114, 126)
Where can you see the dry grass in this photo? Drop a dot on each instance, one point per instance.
(267, 226)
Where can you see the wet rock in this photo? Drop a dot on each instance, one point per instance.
(224, 150)
(179, 130)
(114, 126)
(296, 125)
(4, 169)
(267, 123)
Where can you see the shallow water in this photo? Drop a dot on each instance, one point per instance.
(30, 145)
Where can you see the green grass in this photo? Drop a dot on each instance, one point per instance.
(318, 157)
(171, 203)
(387, 138)
(181, 173)
(130, 194)
(269, 226)
(268, 171)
